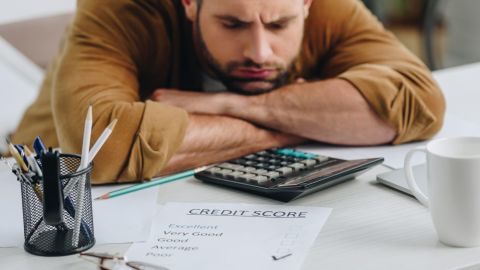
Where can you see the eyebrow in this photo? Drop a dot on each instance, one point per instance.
(231, 18)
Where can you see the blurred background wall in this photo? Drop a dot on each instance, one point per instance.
(455, 36)
(462, 32)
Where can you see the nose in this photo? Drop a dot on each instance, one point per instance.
(258, 48)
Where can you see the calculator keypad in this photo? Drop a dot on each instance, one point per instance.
(266, 167)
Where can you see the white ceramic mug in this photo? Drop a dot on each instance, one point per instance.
(453, 172)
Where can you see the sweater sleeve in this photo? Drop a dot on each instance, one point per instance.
(397, 85)
(107, 47)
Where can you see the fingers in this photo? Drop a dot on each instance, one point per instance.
(300, 80)
(157, 94)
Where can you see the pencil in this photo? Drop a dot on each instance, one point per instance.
(17, 157)
(101, 140)
(95, 148)
(87, 131)
(84, 161)
(154, 182)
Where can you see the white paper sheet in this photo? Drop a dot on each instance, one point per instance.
(125, 218)
(118, 220)
(11, 223)
(230, 236)
(395, 155)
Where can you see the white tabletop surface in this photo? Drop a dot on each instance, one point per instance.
(371, 226)
(461, 87)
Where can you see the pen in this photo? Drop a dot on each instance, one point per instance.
(38, 146)
(158, 181)
(87, 131)
(24, 167)
(32, 162)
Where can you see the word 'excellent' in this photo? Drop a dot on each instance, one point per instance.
(247, 213)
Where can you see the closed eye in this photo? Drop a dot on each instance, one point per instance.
(277, 26)
(234, 25)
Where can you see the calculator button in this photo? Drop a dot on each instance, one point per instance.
(273, 174)
(298, 155)
(309, 162)
(214, 170)
(285, 170)
(290, 160)
(225, 165)
(249, 169)
(261, 171)
(259, 179)
(262, 153)
(304, 155)
(285, 151)
(238, 161)
(225, 171)
(250, 163)
(236, 174)
(252, 156)
(239, 168)
(274, 161)
(297, 166)
(284, 163)
(263, 166)
(322, 159)
(272, 167)
(230, 166)
(247, 176)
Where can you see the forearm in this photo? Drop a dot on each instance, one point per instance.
(211, 139)
(331, 111)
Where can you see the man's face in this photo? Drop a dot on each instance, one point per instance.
(249, 45)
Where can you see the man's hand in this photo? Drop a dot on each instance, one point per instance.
(211, 139)
(202, 102)
(196, 102)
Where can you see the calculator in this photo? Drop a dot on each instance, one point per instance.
(284, 174)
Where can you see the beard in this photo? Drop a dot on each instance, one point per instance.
(236, 84)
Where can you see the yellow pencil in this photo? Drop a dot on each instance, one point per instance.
(17, 157)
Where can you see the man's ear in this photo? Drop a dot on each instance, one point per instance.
(190, 9)
(306, 7)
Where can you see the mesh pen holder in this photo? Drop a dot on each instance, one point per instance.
(45, 239)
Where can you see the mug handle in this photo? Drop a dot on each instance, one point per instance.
(412, 183)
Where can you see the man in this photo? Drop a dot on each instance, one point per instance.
(294, 70)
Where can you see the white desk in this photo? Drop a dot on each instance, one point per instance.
(371, 226)
(461, 86)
